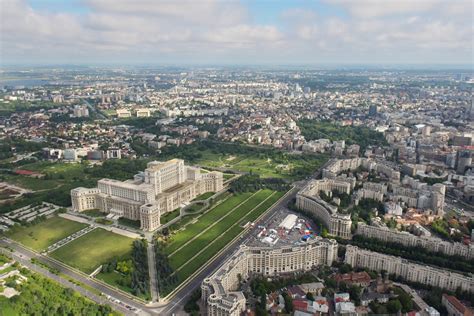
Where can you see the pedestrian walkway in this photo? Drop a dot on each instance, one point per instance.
(69, 238)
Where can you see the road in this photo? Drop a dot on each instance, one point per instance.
(24, 259)
(174, 306)
(25, 255)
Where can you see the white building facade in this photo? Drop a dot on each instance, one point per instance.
(220, 292)
(161, 188)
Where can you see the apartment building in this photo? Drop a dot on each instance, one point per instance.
(308, 200)
(414, 272)
(220, 292)
(433, 244)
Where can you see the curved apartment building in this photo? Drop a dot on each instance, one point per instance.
(308, 200)
(219, 291)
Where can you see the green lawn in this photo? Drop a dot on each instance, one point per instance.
(215, 239)
(195, 208)
(129, 222)
(104, 221)
(204, 196)
(205, 220)
(228, 176)
(93, 249)
(94, 213)
(30, 183)
(284, 166)
(46, 233)
(165, 218)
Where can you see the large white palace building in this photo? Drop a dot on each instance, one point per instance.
(220, 292)
(161, 188)
(414, 272)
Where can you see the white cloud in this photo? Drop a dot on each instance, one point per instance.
(215, 30)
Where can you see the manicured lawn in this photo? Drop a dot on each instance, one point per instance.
(204, 196)
(119, 281)
(46, 233)
(169, 216)
(129, 222)
(104, 221)
(290, 166)
(234, 216)
(93, 249)
(182, 259)
(195, 208)
(94, 213)
(228, 176)
(205, 220)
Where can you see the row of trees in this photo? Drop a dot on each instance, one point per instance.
(15, 145)
(42, 296)
(432, 294)
(303, 165)
(191, 307)
(252, 183)
(361, 135)
(140, 282)
(164, 273)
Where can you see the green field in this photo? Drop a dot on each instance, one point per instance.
(165, 218)
(288, 166)
(204, 196)
(217, 230)
(45, 233)
(93, 249)
(94, 213)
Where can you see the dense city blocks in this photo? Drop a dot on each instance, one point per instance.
(236, 158)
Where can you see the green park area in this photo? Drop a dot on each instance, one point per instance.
(192, 247)
(204, 196)
(361, 135)
(264, 161)
(42, 296)
(97, 247)
(59, 178)
(40, 236)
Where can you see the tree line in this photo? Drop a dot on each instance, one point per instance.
(164, 272)
(252, 183)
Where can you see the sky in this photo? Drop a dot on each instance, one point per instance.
(253, 32)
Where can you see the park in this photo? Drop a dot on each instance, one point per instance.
(41, 235)
(97, 247)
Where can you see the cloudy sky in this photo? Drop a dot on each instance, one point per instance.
(236, 32)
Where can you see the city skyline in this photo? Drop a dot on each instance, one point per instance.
(327, 32)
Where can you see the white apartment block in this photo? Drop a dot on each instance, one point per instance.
(404, 238)
(337, 166)
(414, 272)
(220, 292)
(308, 200)
(161, 188)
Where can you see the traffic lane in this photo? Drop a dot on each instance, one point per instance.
(174, 304)
(71, 273)
(25, 261)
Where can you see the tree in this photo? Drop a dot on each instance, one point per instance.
(394, 306)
